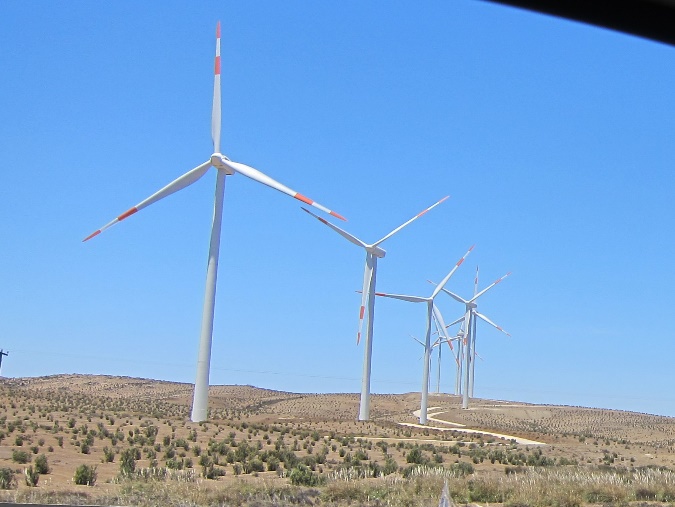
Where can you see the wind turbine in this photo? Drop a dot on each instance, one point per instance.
(443, 337)
(224, 167)
(431, 311)
(437, 344)
(469, 319)
(373, 252)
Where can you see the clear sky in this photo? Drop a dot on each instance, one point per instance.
(554, 139)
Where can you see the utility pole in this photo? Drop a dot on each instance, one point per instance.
(3, 353)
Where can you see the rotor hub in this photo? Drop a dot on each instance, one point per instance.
(219, 161)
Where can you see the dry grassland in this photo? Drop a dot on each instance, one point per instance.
(264, 447)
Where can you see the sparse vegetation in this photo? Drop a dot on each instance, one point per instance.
(307, 449)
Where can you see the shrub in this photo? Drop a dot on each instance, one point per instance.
(127, 462)
(41, 464)
(7, 480)
(85, 475)
(108, 455)
(255, 465)
(211, 471)
(462, 468)
(415, 456)
(390, 466)
(272, 464)
(21, 457)
(303, 476)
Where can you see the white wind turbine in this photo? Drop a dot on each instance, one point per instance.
(224, 167)
(431, 312)
(469, 324)
(367, 310)
(437, 344)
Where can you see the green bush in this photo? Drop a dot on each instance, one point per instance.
(108, 455)
(7, 480)
(390, 466)
(272, 464)
(41, 464)
(21, 457)
(85, 475)
(415, 456)
(127, 462)
(303, 476)
(462, 468)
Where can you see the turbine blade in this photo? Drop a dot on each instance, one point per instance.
(439, 287)
(341, 232)
(441, 322)
(367, 276)
(418, 341)
(216, 111)
(480, 315)
(461, 319)
(451, 294)
(178, 184)
(488, 288)
(475, 283)
(465, 325)
(261, 177)
(409, 221)
(402, 297)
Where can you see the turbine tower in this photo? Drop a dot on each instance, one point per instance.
(367, 310)
(224, 167)
(3, 353)
(431, 311)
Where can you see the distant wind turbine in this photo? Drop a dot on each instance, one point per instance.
(224, 167)
(443, 337)
(431, 311)
(469, 323)
(367, 310)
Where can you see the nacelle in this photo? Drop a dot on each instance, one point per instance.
(377, 251)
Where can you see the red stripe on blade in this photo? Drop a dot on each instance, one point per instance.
(127, 214)
(218, 30)
(363, 309)
(91, 236)
(304, 199)
(337, 215)
(217, 66)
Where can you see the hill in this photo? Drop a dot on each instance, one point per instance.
(261, 436)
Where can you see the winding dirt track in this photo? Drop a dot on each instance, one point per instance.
(462, 428)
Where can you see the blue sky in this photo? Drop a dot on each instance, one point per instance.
(553, 138)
